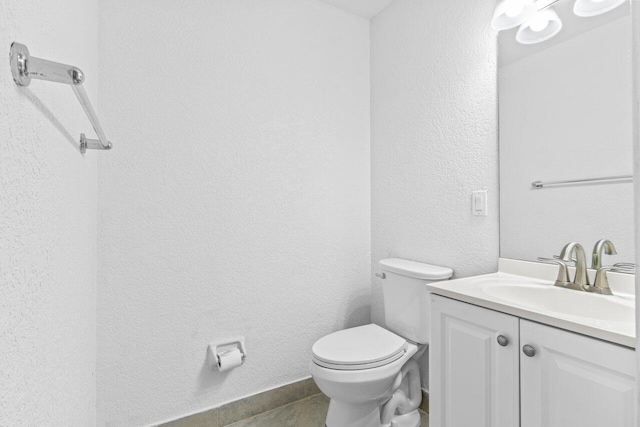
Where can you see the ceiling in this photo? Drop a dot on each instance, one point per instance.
(365, 8)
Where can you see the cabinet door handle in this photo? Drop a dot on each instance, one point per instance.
(528, 350)
(503, 341)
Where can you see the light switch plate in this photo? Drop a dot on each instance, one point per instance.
(479, 203)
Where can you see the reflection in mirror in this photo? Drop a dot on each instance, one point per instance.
(565, 115)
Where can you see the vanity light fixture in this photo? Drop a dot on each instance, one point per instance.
(511, 13)
(543, 25)
(587, 8)
(538, 21)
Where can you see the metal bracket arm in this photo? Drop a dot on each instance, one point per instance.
(25, 67)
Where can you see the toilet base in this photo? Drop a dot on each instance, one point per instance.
(410, 419)
(342, 414)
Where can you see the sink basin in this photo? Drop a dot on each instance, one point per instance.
(530, 295)
(565, 302)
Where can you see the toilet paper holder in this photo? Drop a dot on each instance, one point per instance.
(216, 349)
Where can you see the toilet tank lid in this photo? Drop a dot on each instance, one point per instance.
(417, 270)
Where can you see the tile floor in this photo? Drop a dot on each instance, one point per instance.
(309, 412)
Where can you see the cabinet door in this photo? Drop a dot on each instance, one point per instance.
(473, 379)
(575, 381)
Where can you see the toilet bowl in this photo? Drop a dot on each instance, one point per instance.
(360, 388)
(369, 372)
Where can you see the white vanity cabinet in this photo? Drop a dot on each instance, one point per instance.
(575, 381)
(566, 380)
(473, 380)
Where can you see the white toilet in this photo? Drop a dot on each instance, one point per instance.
(370, 373)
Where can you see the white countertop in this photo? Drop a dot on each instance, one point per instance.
(619, 329)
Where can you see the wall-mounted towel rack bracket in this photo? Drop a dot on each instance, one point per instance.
(91, 144)
(25, 67)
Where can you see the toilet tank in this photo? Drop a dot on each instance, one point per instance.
(406, 303)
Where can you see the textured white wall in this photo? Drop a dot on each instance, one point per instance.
(585, 106)
(236, 199)
(48, 210)
(434, 138)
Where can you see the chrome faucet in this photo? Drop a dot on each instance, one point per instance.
(574, 252)
(602, 246)
(581, 279)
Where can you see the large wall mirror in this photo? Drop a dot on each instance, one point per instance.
(565, 115)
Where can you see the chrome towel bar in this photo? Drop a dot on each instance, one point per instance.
(613, 179)
(25, 67)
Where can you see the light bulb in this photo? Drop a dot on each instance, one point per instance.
(511, 13)
(539, 22)
(542, 26)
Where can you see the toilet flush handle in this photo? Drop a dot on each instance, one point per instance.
(381, 275)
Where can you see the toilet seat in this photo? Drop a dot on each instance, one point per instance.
(363, 347)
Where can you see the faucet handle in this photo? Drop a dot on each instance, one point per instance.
(601, 283)
(563, 272)
(573, 259)
(555, 260)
